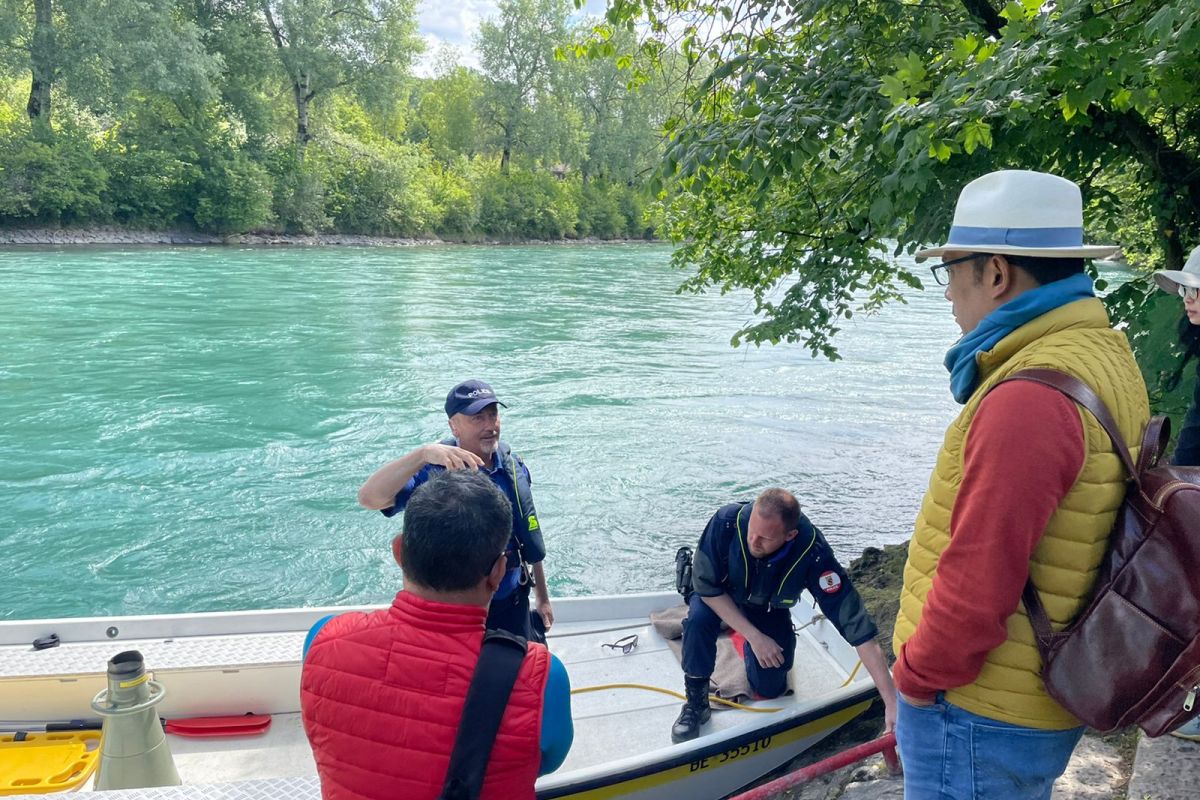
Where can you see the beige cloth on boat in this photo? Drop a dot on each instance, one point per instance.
(729, 675)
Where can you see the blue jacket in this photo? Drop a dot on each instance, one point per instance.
(723, 565)
(510, 474)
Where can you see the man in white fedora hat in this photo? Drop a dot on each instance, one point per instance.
(1027, 485)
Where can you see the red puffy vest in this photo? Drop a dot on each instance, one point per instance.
(382, 694)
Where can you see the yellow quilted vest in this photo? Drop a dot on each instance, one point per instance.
(1076, 339)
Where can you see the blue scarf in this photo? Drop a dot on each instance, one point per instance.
(961, 358)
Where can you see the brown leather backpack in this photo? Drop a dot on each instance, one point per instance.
(1132, 656)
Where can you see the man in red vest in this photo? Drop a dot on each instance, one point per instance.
(382, 693)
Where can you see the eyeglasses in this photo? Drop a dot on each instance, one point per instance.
(626, 644)
(943, 278)
(1188, 292)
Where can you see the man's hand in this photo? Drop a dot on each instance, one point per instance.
(450, 457)
(889, 713)
(766, 650)
(546, 612)
(542, 596)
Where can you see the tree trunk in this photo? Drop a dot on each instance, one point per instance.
(303, 96)
(505, 156)
(42, 59)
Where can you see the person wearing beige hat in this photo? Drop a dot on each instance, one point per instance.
(1026, 487)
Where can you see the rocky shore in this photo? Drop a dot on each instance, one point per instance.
(121, 236)
(1101, 768)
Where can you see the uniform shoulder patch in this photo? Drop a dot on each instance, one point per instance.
(830, 582)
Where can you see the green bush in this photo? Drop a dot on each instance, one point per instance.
(233, 194)
(377, 188)
(456, 204)
(633, 211)
(600, 211)
(147, 186)
(526, 205)
(55, 181)
(299, 202)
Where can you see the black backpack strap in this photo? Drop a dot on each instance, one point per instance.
(500, 660)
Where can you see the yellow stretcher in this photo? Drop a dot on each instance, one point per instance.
(36, 763)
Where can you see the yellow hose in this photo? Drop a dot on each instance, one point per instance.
(712, 697)
(673, 693)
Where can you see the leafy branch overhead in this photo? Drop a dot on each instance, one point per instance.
(823, 138)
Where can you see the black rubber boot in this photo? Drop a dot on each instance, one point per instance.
(696, 710)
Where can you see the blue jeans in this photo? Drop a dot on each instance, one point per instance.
(952, 754)
(703, 626)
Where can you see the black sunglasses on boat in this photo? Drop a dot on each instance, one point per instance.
(626, 644)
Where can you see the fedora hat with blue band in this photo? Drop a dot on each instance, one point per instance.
(1169, 280)
(1018, 212)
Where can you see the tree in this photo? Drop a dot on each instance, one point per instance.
(828, 134)
(324, 45)
(445, 115)
(103, 50)
(517, 56)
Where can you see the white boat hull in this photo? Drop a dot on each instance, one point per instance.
(237, 662)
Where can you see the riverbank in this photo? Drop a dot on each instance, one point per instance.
(1101, 768)
(120, 236)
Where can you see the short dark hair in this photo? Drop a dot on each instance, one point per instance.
(455, 526)
(782, 504)
(1042, 270)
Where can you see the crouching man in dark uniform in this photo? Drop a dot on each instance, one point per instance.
(752, 562)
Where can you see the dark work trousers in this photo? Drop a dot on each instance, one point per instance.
(512, 614)
(700, 631)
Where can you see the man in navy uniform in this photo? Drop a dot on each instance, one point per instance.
(752, 563)
(472, 410)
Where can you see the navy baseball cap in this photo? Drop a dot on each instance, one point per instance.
(470, 397)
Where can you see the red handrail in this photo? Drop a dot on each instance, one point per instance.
(885, 744)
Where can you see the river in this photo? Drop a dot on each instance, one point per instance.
(185, 429)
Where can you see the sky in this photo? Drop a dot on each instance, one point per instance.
(454, 22)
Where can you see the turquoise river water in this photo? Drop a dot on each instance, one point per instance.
(185, 429)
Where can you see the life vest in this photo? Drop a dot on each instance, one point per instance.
(787, 582)
(531, 547)
(1076, 339)
(382, 694)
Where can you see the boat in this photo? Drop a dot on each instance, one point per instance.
(233, 663)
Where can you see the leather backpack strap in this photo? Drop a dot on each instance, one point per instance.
(1084, 395)
(1081, 393)
(500, 660)
(1043, 632)
(1154, 443)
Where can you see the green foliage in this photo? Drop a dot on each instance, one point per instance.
(600, 211)
(56, 182)
(184, 114)
(233, 194)
(456, 205)
(377, 189)
(527, 205)
(826, 136)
